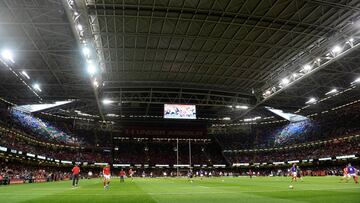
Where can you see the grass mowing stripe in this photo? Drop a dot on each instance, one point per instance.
(160, 193)
(176, 190)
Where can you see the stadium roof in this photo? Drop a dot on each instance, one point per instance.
(213, 53)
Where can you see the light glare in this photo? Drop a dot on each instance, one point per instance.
(311, 101)
(285, 81)
(79, 27)
(307, 67)
(7, 55)
(336, 49)
(96, 84)
(91, 68)
(332, 91)
(241, 107)
(24, 73)
(86, 51)
(107, 101)
(356, 81)
(37, 87)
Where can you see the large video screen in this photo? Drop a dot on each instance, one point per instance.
(179, 111)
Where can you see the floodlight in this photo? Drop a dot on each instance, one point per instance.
(95, 83)
(24, 73)
(111, 115)
(336, 49)
(307, 67)
(241, 107)
(107, 101)
(91, 68)
(311, 101)
(86, 51)
(285, 81)
(37, 87)
(7, 55)
(79, 27)
(331, 91)
(356, 81)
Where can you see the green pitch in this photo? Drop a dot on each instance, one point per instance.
(264, 190)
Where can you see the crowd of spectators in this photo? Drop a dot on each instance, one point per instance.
(131, 151)
(220, 150)
(165, 152)
(314, 151)
(14, 142)
(337, 123)
(15, 172)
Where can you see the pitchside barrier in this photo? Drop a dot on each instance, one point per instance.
(36, 180)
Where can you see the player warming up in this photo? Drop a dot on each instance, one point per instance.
(122, 175)
(107, 176)
(75, 175)
(131, 173)
(346, 175)
(250, 174)
(352, 172)
(293, 172)
(299, 173)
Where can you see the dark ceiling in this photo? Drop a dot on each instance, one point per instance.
(213, 53)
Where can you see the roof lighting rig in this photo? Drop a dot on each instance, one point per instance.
(333, 54)
(252, 121)
(92, 57)
(7, 59)
(330, 94)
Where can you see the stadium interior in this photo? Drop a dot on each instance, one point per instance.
(180, 88)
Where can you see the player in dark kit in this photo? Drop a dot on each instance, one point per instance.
(190, 175)
(299, 173)
(352, 172)
(75, 175)
(293, 173)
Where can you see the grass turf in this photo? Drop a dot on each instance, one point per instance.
(241, 189)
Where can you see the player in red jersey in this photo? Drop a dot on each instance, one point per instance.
(122, 175)
(75, 175)
(107, 176)
(250, 173)
(346, 175)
